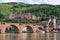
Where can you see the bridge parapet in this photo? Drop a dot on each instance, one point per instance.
(34, 27)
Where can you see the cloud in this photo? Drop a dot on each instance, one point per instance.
(25, 1)
(8, 0)
(54, 2)
(37, 1)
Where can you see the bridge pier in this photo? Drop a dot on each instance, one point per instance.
(47, 29)
(20, 30)
(34, 30)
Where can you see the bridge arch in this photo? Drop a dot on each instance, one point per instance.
(27, 29)
(40, 29)
(11, 29)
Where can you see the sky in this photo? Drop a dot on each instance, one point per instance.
(53, 2)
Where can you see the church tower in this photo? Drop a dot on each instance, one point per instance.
(52, 22)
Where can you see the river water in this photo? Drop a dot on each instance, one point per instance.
(30, 36)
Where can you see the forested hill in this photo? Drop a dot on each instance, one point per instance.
(42, 10)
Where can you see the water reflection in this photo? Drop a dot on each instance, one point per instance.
(30, 36)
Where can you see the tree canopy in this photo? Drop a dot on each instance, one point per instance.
(42, 10)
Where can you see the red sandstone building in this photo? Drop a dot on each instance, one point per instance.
(23, 16)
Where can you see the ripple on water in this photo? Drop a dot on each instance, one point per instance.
(30, 36)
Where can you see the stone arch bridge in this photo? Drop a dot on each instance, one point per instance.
(33, 27)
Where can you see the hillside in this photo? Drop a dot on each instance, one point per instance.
(44, 11)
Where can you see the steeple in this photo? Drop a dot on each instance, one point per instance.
(52, 21)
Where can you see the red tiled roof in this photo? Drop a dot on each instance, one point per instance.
(44, 23)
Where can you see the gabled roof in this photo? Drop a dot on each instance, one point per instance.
(44, 23)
